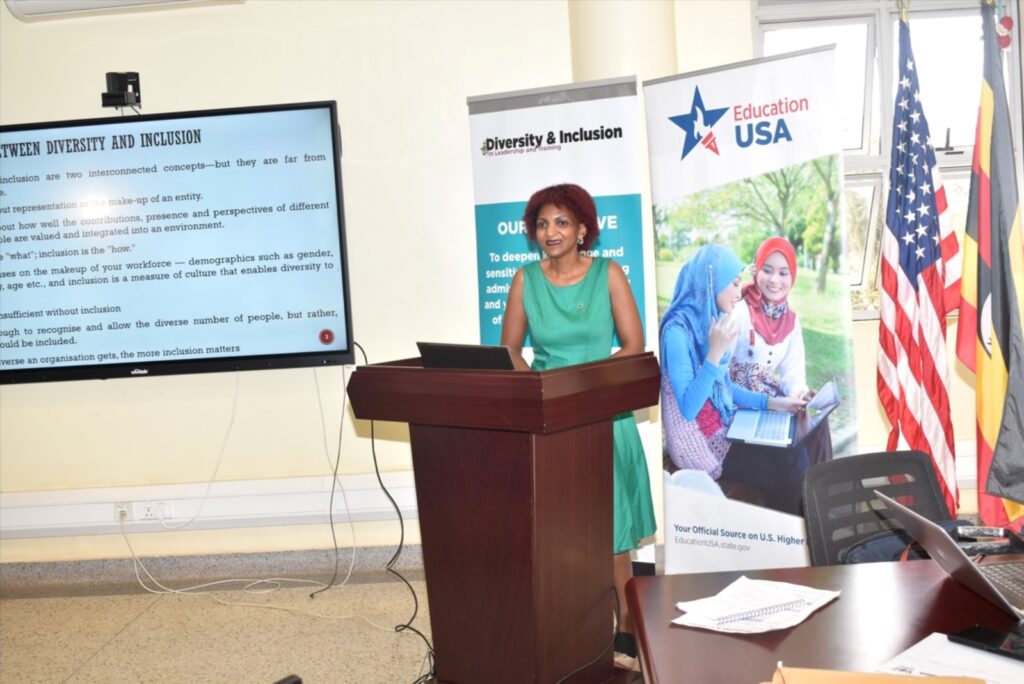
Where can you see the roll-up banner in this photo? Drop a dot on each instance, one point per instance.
(738, 155)
(584, 133)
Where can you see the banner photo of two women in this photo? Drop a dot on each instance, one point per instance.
(753, 305)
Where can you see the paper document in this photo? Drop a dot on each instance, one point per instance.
(800, 675)
(825, 397)
(751, 606)
(937, 655)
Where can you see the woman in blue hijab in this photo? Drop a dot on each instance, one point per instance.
(698, 400)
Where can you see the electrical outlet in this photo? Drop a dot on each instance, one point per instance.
(152, 510)
(122, 511)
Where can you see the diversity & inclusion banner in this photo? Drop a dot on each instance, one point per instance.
(585, 133)
(740, 154)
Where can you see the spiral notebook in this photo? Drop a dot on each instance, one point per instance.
(751, 606)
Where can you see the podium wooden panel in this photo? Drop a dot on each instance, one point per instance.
(514, 491)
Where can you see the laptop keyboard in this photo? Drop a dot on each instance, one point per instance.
(773, 425)
(1009, 578)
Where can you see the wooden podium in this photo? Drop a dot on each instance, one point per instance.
(514, 491)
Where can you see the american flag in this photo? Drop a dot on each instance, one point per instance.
(920, 285)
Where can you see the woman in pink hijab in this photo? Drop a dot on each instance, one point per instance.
(769, 358)
(769, 354)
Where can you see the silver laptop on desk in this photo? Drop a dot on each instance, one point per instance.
(1000, 583)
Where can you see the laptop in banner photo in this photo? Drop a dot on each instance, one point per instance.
(784, 430)
(1001, 584)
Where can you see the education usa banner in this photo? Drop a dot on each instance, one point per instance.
(585, 133)
(746, 182)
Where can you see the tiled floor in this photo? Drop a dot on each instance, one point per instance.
(343, 635)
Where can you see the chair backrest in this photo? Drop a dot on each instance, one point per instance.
(840, 508)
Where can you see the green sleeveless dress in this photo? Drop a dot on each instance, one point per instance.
(572, 325)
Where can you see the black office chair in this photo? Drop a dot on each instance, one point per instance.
(841, 509)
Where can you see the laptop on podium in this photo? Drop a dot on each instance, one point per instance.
(1001, 584)
(465, 356)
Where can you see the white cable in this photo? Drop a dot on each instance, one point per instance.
(216, 468)
(248, 588)
(277, 582)
(334, 470)
(250, 584)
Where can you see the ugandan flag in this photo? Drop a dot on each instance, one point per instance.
(989, 340)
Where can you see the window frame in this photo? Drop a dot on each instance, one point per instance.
(872, 236)
(865, 166)
(869, 60)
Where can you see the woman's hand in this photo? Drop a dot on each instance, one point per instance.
(513, 326)
(624, 312)
(786, 404)
(721, 335)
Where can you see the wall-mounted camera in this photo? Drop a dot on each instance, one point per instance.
(123, 89)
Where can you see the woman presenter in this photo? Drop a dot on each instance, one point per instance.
(571, 304)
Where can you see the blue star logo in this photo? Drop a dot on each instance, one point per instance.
(697, 125)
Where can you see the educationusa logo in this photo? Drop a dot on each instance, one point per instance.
(755, 123)
(697, 125)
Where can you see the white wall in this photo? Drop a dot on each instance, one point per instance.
(401, 72)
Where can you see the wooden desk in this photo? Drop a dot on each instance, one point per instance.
(884, 609)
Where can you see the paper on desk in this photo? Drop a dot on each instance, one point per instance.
(808, 676)
(937, 655)
(746, 595)
(800, 675)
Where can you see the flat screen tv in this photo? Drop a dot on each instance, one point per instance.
(173, 243)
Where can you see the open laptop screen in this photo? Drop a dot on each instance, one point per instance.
(784, 430)
(944, 550)
(466, 356)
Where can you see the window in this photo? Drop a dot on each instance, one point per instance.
(854, 51)
(946, 39)
(949, 50)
